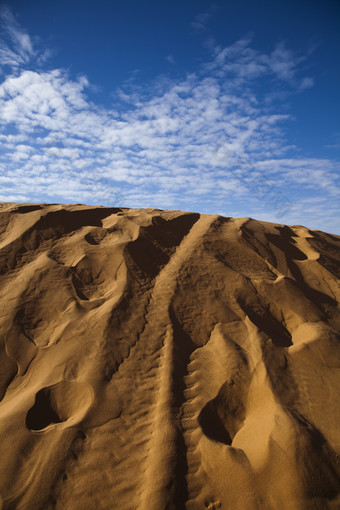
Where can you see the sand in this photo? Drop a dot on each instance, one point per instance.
(167, 360)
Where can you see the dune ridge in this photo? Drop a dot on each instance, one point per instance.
(156, 359)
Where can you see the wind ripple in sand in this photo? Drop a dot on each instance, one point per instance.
(159, 359)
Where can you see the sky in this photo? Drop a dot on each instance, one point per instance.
(225, 107)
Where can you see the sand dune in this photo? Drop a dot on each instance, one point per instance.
(166, 360)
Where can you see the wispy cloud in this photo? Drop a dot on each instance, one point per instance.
(242, 63)
(170, 59)
(200, 21)
(17, 49)
(157, 146)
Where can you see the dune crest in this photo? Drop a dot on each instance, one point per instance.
(166, 360)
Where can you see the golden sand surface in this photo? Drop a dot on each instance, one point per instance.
(154, 360)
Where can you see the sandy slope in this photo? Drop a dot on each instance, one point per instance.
(166, 360)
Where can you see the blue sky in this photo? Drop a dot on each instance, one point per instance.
(217, 107)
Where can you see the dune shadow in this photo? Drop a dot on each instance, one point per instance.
(42, 413)
(212, 425)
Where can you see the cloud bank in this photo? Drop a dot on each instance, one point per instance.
(194, 143)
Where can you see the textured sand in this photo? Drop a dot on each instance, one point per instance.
(165, 360)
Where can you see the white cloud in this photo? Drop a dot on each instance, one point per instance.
(17, 50)
(243, 63)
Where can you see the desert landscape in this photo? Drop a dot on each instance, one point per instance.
(155, 359)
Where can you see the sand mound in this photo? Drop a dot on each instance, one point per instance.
(166, 360)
